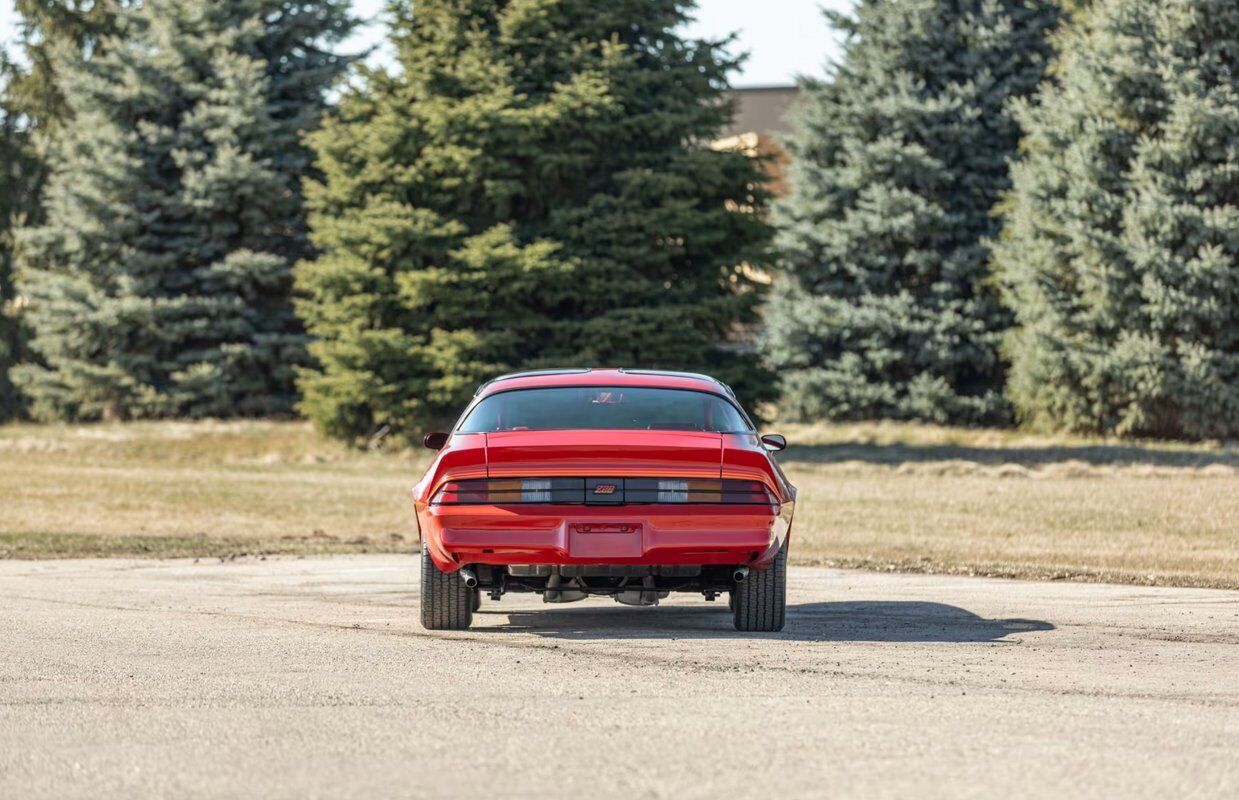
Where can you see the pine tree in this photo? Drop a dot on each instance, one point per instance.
(48, 30)
(33, 107)
(1121, 248)
(534, 188)
(16, 164)
(884, 309)
(159, 283)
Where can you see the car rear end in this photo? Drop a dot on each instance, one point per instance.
(628, 513)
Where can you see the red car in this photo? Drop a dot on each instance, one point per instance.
(625, 483)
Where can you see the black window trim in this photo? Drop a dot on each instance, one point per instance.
(478, 400)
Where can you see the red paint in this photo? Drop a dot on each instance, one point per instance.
(602, 454)
(615, 534)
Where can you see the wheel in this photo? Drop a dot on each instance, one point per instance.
(447, 604)
(760, 601)
(477, 598)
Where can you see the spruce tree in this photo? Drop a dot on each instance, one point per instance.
(16, 165)
(47, 31)
(1121, 249)
(33, 107)
(159, 282)
(535, 187)
(884, 308)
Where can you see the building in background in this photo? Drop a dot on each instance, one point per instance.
(761, 121)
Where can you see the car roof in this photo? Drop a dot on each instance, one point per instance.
(604, 377)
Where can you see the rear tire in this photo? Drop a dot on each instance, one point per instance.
(447, 604)
(477, 598)
(760, 601)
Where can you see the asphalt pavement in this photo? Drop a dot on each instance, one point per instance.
(311, 677)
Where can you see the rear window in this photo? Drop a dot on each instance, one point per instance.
(623, 408)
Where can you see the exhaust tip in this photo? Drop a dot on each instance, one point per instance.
(468, 576)
(740, 574)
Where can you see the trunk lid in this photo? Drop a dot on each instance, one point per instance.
(604, 453)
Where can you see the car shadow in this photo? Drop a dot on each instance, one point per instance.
(853, 621)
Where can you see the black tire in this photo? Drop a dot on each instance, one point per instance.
(477, 598)
(447, 604)
(761, 599)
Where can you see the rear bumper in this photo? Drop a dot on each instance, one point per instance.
(647, 535)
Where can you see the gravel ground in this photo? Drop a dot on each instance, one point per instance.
(310, 677)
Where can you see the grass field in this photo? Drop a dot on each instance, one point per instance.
(885, 496)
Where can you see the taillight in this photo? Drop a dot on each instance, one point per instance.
(695, 490)
(620, 491)
(506, 491)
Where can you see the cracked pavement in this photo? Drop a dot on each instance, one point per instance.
(311, 677)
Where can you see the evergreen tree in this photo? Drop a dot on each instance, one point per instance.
(1121, 248)
(159, 283)
(16, 165)
(534, 188)
(49, 30)
(884, 309)
(31, 107)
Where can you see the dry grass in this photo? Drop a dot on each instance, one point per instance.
(879, 496)
(923, 498)
(197, 489)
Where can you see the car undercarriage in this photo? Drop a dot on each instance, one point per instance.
(638, 585)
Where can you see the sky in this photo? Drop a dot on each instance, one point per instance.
(784, 38)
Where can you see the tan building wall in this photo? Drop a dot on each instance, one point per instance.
(761, 121)
(763, 110)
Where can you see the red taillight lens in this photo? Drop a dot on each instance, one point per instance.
(747, 492)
